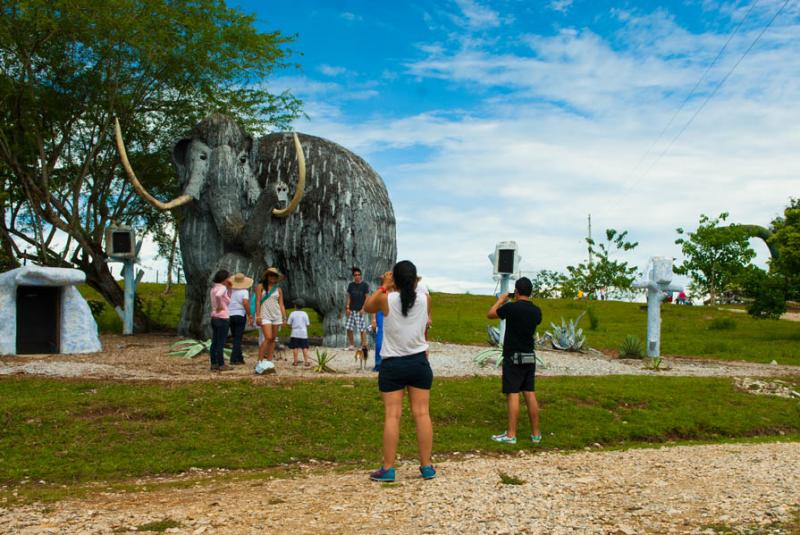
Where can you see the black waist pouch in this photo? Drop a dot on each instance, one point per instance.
(523, 358)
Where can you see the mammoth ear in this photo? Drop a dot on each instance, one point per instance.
(179, 153)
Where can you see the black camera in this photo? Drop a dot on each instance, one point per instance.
(511, 295)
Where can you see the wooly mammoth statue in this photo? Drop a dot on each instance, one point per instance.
(236, 213)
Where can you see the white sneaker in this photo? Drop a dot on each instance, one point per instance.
(504, 438)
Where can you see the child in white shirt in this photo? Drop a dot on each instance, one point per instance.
(299, 322)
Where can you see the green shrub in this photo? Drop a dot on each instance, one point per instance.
(722, 324)
(631, 347)
(770, 299)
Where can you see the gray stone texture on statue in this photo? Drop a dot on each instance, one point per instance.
(344, 219)
(78, 327)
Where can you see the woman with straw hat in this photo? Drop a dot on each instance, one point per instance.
(270, 312)
(239, 311)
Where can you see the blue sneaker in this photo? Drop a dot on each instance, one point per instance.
(536, 438)
(427, 472)
(504, 438)
(385, 475)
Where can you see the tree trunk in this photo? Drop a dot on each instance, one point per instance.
(171, 261)
(99, 277)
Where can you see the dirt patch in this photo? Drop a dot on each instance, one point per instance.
(144, 358)
(774, 387)
(667, 490)
(121, 412)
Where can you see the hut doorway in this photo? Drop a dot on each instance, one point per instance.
(38, 319)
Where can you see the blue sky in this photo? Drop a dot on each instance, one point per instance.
(512, 120)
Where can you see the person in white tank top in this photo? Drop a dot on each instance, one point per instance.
(404, 364)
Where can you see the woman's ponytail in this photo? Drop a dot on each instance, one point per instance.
(405, 280)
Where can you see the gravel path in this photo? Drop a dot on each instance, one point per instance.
(669, 490)
(144, 358)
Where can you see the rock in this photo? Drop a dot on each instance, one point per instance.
(78, 329)
(774, 363)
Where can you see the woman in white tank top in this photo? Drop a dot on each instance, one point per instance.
(404, 364)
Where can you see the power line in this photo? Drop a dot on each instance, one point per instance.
(711, 95)
(696, 85)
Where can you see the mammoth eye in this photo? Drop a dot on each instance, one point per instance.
(204, 156)
(242, 159)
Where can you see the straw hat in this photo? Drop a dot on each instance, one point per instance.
(240, 282)
(272, 271)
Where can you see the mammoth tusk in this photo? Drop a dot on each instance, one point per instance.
(123, 156)
(301, 182)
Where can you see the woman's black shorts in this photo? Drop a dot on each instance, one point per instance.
(399, 372)
(518, 377)
(298, 343)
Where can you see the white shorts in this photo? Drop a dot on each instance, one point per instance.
(270, 321)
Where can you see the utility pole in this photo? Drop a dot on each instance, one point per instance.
(589, 235)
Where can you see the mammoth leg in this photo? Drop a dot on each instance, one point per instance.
(333, 326)
(201, 248)
(233, 262)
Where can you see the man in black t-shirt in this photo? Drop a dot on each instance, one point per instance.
(521, 317)
(357, 292)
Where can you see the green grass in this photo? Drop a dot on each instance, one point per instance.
(684, 329)
(72, 432)
(160, 525)
(506, 479)
(790, 526)
(461, 319)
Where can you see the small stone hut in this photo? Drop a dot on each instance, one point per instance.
(41, 311)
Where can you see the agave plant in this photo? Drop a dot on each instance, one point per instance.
(567, 336)
(191, 348)
(322, 362)
(494, 355)
(494, 335)
(654, 364)
(631, 347)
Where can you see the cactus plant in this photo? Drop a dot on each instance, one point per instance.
(567, 336)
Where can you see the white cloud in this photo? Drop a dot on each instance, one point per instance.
(350, 17)
(561, 132)
(330, 70)
(477, 16)
(560, 5)
(575, 117)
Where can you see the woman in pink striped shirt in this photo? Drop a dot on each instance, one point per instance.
(220, 299)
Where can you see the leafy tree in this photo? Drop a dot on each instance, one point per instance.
(68, 67)
(715, 255)
(546, 284)
(603, 271)
(767, 291)
(785, 240)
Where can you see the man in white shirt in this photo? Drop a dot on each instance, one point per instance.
(299, 322)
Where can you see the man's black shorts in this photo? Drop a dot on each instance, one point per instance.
(396, 373)
(518, 377)
(298, 343)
